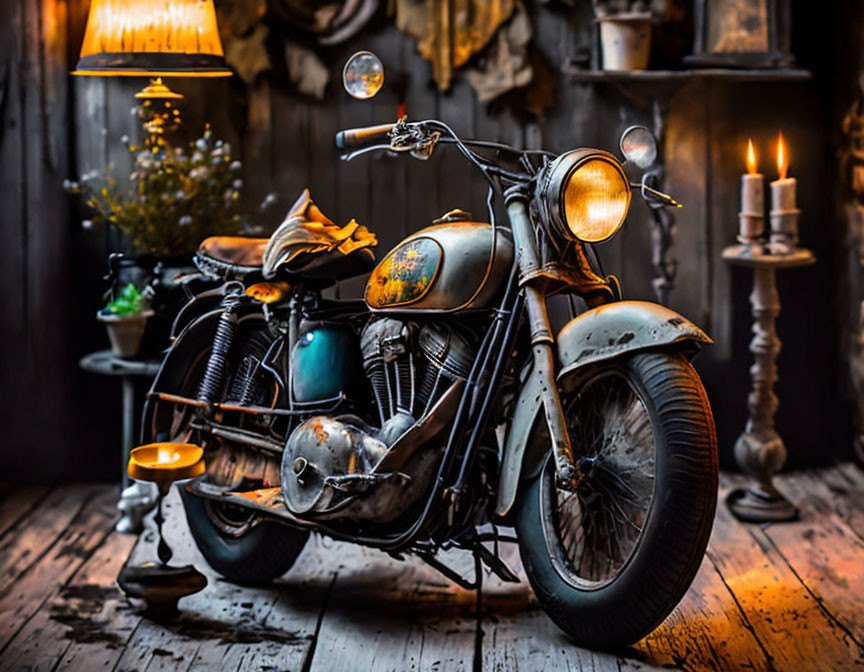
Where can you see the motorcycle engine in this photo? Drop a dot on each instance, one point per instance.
(331, 466)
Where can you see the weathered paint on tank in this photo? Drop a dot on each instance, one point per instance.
(405, 274)
(464, 274)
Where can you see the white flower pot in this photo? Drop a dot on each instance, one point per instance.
(125, 332)
(625, 40)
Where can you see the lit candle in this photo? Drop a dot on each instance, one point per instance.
(784, 211)
(783, 189)
(164, 455)
(752, 215)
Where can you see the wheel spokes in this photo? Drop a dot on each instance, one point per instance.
(599, 525)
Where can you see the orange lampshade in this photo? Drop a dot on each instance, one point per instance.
(159, 38)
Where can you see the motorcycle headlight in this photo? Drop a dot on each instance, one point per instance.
(586, 195)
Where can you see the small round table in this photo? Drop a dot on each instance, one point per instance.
(136, 498)
(760, 451)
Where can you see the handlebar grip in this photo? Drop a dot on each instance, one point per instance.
(360, 137)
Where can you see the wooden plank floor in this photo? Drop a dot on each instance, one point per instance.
(778, 597)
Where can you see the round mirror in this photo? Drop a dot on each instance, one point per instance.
(363, 75)
(639, 146)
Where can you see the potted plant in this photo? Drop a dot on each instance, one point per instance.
(175, 198)
(125, 318)
(625, 33)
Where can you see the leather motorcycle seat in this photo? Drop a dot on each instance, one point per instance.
(234, 250)
(306, 245)
(238, 256)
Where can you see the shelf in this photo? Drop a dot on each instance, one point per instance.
(661, 76)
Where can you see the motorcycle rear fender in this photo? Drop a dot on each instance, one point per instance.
(194, 338)
(198, 305)
(595, 336)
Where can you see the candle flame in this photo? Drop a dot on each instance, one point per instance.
(751, 157)
(164, 456)
(782, 156)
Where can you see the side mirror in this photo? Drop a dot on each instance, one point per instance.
(363, 75)
(639, 146)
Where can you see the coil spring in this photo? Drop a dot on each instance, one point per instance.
(210, 386)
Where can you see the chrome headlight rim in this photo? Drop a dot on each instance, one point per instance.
(553, 188)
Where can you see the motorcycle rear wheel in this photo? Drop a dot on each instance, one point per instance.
(611, 560)
(241, 547)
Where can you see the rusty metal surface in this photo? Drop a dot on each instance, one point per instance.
(516, 441)
(266, 501)
(335, 468)
(597, 335)
(608, 331)
(405, 275)
(468, 276)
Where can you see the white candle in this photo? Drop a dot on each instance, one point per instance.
(752, 194)
(752, 217)
(783, 189)
(752, 187)
(783, 194)
(784, 208)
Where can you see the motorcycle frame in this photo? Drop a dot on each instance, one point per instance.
(525, 296)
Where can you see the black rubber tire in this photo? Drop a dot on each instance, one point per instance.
(677, 529)
(267, 550)
(259, 556)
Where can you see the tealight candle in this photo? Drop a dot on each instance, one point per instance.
(752, 215)
(784, 210)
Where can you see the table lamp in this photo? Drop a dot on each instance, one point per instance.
(156, 39)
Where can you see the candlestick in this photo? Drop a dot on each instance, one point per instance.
(784, 212)
(760, 451)
(752, 216)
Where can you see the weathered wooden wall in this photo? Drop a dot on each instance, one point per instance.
(37, 366)
(60, 265)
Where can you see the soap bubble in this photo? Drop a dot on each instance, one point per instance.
(363, 75)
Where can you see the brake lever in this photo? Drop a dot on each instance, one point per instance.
(405, 137)
(347, 156)
(413, 138)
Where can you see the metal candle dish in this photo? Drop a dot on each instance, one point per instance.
(158, 584)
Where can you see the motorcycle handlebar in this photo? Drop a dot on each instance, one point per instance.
(353, 138)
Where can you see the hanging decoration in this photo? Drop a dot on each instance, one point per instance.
(506, 64)
(450, 32)
(490, 40)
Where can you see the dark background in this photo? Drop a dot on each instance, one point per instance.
(58, 422)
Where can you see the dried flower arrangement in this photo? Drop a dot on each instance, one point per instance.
(176, 197)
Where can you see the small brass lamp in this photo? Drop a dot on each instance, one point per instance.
(160, 585)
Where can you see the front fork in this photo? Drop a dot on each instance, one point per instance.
(542, 342)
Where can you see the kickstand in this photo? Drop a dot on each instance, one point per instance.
(478, 581)
(478, 632)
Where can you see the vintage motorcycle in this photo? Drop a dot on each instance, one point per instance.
(441, 407)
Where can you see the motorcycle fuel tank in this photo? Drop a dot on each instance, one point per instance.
(442, 268)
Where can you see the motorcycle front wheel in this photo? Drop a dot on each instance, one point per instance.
(610, 559)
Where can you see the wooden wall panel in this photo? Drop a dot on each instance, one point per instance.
(37, 366)
(54, 127)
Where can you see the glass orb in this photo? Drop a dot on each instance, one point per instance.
(363, 75)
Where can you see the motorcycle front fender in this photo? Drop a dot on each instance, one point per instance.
(595, 336)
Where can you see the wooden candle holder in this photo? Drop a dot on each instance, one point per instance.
(759, 451)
